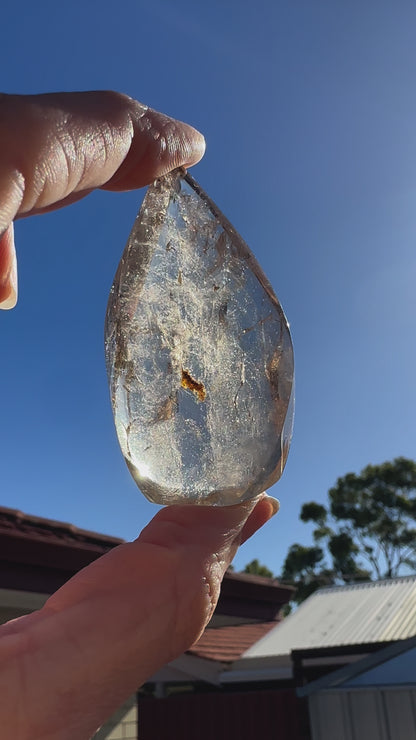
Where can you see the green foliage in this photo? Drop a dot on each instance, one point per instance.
(313, 512)
(377, 510)
(366, 531)
(257, 569)
(303, 568)
(302, 561)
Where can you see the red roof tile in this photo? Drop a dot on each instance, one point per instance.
(226, 644)
(18, 523)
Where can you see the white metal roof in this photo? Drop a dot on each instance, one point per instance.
(378, 611)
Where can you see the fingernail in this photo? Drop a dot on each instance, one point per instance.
(274, 504)
(265, 508)
(8, 285)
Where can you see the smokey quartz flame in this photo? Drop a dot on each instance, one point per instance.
(199, 355)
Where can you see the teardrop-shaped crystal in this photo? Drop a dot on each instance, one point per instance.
(199, 355)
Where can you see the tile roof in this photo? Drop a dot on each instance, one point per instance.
(17, 523)
(374, 612)
(225, 644)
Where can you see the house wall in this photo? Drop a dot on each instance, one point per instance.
(387, 713)
(14, 603)
(243, 715)
(122, 725)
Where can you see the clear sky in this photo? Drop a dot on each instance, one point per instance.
(309, 111)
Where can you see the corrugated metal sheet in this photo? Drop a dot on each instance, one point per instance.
(380, 611)
(373, 714)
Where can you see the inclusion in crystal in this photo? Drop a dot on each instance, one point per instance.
(199, 355)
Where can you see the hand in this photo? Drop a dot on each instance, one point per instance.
(67, 667)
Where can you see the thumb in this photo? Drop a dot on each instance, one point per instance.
(123, 617)
(56, 148)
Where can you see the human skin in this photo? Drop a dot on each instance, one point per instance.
(67, 667)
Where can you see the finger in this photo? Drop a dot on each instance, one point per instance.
(265, 509)
(126, 615)
(56, 148)
(8, 270)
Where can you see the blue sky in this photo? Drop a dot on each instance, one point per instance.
(309, 111)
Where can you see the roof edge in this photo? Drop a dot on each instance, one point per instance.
(360, 666)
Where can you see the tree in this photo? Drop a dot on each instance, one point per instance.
(304, 569)
(257, 569)
(366, 530)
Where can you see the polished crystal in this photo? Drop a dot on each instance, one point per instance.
(199, 355)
